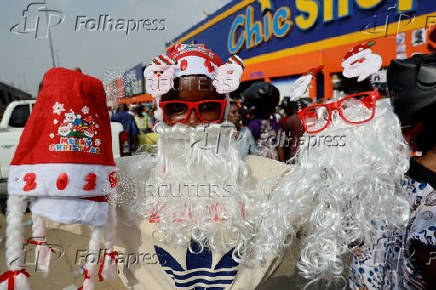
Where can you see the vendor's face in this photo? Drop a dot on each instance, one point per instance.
(192, 89)
(234, 115)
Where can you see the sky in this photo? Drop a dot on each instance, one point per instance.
(25, 57)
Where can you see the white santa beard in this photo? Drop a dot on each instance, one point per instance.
(197, 190)
(336, 191)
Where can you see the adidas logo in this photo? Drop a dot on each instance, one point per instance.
(199, 273)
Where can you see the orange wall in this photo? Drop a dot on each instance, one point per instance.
(331, 59)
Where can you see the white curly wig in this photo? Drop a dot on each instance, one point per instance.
(334, 192)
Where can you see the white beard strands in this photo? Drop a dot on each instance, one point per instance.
(195, 189)
(335, 192)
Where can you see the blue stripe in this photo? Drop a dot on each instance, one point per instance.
(202, 273)
(189, 284)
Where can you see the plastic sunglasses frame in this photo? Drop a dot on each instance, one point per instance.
(194, 105)
(374, 95)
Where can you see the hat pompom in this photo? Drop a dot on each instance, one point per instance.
(228, 76)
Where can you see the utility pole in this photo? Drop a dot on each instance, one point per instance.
(50, 40)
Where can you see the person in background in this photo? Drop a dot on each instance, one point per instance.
(245, 141)
(262, 98)
(128, 121)
(412, 87)
(110, 111)
(291, 129)
(406, 255)
(131, 109)
(142, 119)
(152, 116)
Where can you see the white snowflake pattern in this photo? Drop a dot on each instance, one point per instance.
(55, 121)
(97, 126)
(51, 135)
(85, 110)
(58, 108)
(97, 142)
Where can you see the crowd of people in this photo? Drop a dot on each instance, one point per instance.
(265, 125)
(138, 121)
(214, 206)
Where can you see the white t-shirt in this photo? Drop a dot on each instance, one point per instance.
(145, 263)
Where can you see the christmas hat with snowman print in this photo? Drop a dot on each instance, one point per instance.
(64, 166)
(361, 62)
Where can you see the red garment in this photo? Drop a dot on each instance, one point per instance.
(292, 130)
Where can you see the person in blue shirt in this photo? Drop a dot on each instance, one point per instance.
(245, 141)
(128, 121)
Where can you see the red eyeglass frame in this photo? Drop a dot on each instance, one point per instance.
(194, 105)
(373, 95)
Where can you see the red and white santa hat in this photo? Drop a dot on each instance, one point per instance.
(192, 59)
(65, 150)
(66, 146)
(361, 62)
(357, 52)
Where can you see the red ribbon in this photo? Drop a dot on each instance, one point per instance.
(113, 256)
(43, 244)
(85, 276)
(10, 276)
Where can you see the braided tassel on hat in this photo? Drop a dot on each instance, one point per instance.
(42, 250)
(16, 277)
(91, 266)
(109, 263)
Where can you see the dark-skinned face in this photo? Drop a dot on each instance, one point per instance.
(234, 114)
(192, 89)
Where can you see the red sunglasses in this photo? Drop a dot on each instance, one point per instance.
(317, 117)
(208, 111)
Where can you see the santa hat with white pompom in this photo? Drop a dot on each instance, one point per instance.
(63, 165)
